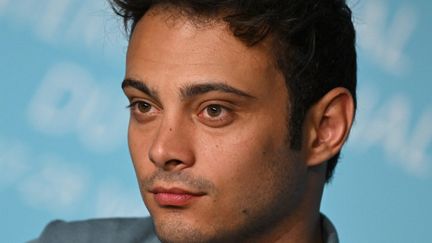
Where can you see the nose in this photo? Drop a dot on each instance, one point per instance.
(172, 147)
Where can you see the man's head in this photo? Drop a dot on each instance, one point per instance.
(312, 42)
(238, 112)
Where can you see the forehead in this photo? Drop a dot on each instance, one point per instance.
(164, 36)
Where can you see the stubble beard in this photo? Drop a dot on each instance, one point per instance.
(259, 220)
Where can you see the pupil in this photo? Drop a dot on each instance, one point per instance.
(214, 110)
(143, 107)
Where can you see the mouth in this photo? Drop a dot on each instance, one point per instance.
(174, 197)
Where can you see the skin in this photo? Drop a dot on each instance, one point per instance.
(212, 119)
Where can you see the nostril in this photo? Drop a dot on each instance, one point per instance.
(171, 164)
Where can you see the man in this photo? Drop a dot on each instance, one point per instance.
(239, 110)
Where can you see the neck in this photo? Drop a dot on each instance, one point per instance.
(298, 230)
(304, 225)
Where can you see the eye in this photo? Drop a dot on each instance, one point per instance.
(141, 106)
(215, 115)
(142, 110)
(214, 110)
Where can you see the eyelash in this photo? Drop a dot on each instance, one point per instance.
(133, 104)
(221, 110)
(225, 117)
(139, 114)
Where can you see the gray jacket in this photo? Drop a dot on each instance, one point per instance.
(124, 230)
(112, 230)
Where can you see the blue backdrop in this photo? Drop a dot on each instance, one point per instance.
(63, 122)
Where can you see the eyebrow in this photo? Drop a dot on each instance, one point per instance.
(141, 86)
(189, 91)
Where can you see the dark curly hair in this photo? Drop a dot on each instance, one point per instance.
(313, 43)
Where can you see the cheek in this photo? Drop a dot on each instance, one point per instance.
(243, 149)
(244, 163)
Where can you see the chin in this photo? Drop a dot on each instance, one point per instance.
(176, 229)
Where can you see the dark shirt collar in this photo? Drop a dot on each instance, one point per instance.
(329, 233)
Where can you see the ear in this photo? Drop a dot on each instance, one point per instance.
(327, 125)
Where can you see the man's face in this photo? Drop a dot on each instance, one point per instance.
(208, 132)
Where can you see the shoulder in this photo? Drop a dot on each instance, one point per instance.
(99, 230)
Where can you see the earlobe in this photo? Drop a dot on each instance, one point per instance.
(327, 125)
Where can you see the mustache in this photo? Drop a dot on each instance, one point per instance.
(196, 183)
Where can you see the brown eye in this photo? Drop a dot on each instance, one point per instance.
(140, 106)
(142, 111)
(214, 110)
(216, 115)
(143, 107)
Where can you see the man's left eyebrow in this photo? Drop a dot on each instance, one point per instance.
(192, 90)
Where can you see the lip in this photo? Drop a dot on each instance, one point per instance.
(174, 196)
